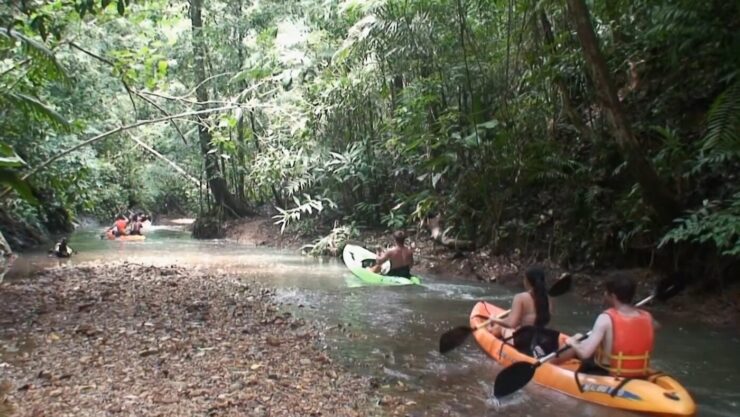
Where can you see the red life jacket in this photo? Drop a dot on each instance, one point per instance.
(121, 226)
(632, 344)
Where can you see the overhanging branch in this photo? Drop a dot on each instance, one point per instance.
(114, 131)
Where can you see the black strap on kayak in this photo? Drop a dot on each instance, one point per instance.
(578, 381)
(615, 390)
(504, 342)
(584, 367)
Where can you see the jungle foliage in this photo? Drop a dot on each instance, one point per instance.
(582, 131)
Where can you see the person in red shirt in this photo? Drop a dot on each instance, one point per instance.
(118, 228)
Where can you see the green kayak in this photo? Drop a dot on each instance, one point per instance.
(355, 255)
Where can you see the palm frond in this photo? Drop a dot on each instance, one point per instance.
(13, 180)
(723, 124)
(32, 107)
(43, 58)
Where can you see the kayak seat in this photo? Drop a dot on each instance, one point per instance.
(589, 367)
(532, 341)
(537, 343)
(366, 263)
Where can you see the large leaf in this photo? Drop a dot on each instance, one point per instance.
(8, 157)
(33, 107)
(11, 161)
(11, 179)
(42, 56)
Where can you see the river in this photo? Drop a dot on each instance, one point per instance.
(392, 333)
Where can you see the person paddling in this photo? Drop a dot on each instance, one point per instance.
(621, 341)
(61, 249)
(400, 256)
(119, 226)
(529, 308)
(136, 224)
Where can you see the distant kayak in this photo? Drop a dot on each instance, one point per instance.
(358, 259)
(111, 236)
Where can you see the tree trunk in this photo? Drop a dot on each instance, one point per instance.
(6, 257)
(568, 106)
(655, 193)
(280, 202)
(216, 181)
(434, 225)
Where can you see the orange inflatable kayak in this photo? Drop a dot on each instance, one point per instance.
(111, 236)
(658, 395)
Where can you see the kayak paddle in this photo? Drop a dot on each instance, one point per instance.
(457, 336)
(515, 376)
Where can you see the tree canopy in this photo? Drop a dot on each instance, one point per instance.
(582, 131)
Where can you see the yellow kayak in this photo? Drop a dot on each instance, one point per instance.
(658, 395)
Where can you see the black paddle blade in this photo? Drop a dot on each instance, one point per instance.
(454, 338)
(513, 378)
(670, 286)
(561, 286)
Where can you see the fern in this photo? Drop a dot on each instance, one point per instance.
(722, 141)
(715, 222)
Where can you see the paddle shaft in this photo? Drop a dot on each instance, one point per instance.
(502, 315)
(582, 338)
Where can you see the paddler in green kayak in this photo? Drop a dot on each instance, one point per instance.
(400, 256)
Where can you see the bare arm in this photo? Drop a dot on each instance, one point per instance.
(587, 348)
(515, 317)
(383, 257)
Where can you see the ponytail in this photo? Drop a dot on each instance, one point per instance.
(536, 278)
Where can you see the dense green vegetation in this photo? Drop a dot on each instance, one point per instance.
(587, 132)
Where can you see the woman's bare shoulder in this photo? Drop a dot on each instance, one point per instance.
(523, 297)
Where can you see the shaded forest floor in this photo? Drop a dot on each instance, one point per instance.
(132, 340)
(721, 309)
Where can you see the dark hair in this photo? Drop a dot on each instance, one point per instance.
(536, 278)
(399, 236)
(623, 287)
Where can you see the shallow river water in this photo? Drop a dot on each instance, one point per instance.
(392, 333)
